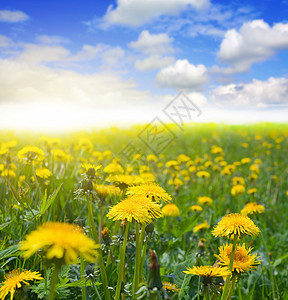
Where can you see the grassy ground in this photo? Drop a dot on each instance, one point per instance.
(27, 202)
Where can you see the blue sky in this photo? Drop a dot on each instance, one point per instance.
(81, 64)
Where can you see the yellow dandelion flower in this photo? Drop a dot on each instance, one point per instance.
(138, 208)
(243, 260)
(171, 210)
(207, 272)
(30, 154)
(85, 144)
(195, 208)
(203, 174)
(183, 158)
(253, 176)
(60, 155)
(61, 241)
(15, 279)
(150, 190)
(170, 287)
(147, 177)
(237, 189)
(252, 191)
(123, 181)
(235, 224)
(251, 208)
(238, 180)
(106, 190)
(204, 200)
(254, 168)
(152, 158)
(245, 160)
(172, 163)
(201, 226)
(114, 168)
(43, 173)
(216, 149)
(8, 173)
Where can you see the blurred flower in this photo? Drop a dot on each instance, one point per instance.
(170, 287)
(114, 168)
(201, 226)
(251, 208)
(60, 155)
(243, 260)
(238, 189)
(14, 279)
(254, 168)
(60, 241)
(150, 190)
(43, 173)
(30, 154)
(235, 225)
(85, 144)
(203, 174)
(106, 190)
(152, 158)
(171, 210)
(238, 180)
(204, 200)
(252, 191)
(195, 208)
(245, 160)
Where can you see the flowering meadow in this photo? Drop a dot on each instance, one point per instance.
(102, 215)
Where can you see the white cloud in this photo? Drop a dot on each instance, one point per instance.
(153, 62)
(5, 41)
(152, 43)
(41, 53)
(256, 41)
(138, 12)
(183, 75)
(12, 16)
(21, 82)
(51, 39)
(257, 93)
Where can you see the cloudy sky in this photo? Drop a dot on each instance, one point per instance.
(70, 64)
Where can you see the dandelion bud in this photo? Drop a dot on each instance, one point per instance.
(154, 279)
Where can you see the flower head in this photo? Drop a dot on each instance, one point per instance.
(237, 189)
(171, 210)
(30, 154)
(203, 174)
(201, 226)
(170, 287)
(138, 208)
(208, 272)
(43, 173)
(197, 208)
(60, 241)
(14, 279)
(235, 224)
(204, 200)
(251, 208)
(243, 260)
(150, 190)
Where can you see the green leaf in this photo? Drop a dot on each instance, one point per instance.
(184, 226)
(11, 251)
(46, 203)
(79, 283)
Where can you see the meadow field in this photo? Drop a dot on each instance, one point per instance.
(195, 213)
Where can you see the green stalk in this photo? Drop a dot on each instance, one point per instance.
(54, 280)
(137, 257)
(82, 269)
(231, 287)
(227, 282)
(115, 232)
(94, 233)
(206, 293)
(121, 263)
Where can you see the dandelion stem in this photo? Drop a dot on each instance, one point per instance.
(227, 282)
(231, 287)
(82, 269)
(54, 280)
(121, 263)
(137, 259)
(94, 233)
